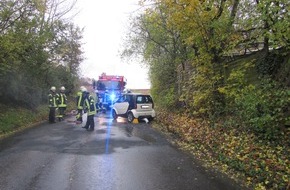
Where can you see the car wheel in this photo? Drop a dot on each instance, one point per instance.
(114, 114)
(130, 117)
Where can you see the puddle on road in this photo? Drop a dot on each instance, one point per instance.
(148, 138)
(134, 131)
(140, 130)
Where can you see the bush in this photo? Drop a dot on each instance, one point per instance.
(263, 108)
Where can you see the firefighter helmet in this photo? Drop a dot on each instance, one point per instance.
(53, 89)
(82, 88)
(62, 88)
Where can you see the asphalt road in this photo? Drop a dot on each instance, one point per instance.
(116, 156)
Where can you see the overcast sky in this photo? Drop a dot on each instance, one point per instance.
(105, 24)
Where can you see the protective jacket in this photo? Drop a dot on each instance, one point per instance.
(80, 100)
(90, 105)
(62, 100)
(52, 99)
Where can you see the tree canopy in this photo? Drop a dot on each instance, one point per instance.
(192, 48)
(223, 68)
(39, 48)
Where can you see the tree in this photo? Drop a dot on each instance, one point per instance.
(190, 41)
(162, 49)
(27, 37)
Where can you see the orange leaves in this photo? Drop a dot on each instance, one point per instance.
(233, 151)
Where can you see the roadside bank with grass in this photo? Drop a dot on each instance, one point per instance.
(255, 163)
(16, 118)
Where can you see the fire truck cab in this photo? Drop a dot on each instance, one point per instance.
(108, 88)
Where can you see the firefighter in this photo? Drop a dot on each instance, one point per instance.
(91, 110)
(62, 102)
(52, 104)
(80, 104)
(98, 103)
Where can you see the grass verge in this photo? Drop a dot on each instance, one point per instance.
(15, 119)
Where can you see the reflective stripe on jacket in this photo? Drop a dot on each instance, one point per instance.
(90, 104)
(52, 100)
(80, 100)
(62, 100)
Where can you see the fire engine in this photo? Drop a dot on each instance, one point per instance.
(108, 88)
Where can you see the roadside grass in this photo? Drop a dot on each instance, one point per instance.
(254, 163)
(15, 118)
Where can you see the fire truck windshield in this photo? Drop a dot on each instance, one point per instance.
(108, 85)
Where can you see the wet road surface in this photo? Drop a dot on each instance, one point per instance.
(116, 156)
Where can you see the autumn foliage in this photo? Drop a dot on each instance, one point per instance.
(39, 48)
(220, 76)
(240, 154)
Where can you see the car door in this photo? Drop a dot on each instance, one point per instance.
(121, 106)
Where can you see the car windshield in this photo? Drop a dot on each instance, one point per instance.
(141, 99)
(108, 85)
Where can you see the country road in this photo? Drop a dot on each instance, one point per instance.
(116, 156)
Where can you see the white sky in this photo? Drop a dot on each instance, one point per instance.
(105, 24)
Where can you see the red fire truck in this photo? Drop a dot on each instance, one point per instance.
(108, 88)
